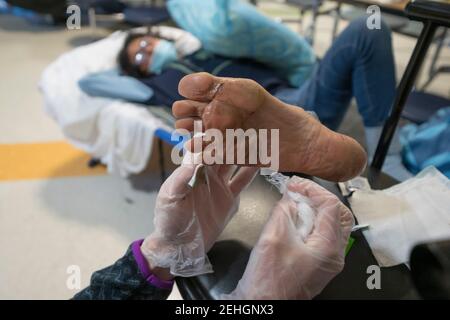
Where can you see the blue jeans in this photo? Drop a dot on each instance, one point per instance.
(359, 64)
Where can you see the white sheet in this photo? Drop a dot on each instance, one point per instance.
(117, 132)
(414, 211)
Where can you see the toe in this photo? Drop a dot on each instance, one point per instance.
(244, 94)
(199, 86)
(188, 124)
(188, 108)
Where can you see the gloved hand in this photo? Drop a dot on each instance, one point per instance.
(188, 220)
(286, 265)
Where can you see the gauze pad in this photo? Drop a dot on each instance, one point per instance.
(411, 212)
(306, 213)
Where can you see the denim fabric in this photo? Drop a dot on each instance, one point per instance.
(359, 64)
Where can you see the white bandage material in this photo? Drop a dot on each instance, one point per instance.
(306, 214)
(414, 211)
(190, 158)
(194, 178)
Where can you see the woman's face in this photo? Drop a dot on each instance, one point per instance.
(140, 52)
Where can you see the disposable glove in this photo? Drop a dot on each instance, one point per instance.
(188, 220)
(284, 264)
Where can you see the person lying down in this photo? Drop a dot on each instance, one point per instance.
(141, 55)
(152, 64)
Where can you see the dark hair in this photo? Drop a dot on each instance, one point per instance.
(123, 60)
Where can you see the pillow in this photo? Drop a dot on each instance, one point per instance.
(110, 84)
(236, 29)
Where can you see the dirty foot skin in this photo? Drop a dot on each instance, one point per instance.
(306, 146)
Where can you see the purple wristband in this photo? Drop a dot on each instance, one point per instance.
(145, 269)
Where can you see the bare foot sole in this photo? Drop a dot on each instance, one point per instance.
(305, 145)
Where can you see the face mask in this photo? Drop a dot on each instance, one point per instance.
(163, 54)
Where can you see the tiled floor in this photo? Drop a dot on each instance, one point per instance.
(53, 212)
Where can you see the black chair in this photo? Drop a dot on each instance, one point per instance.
(55, 8)
(118, 11)
(420, 106)
(395, 22)
(433, 14)
(436, 70)
(304, 6)
(430, 269)
(146, 16)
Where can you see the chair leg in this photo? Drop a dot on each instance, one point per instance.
(337, 19)
(300, 24)
(310, 30)
(93, 162)
(433, 71)
(404, 88)
(92, 20)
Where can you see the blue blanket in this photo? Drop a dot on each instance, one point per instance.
(236, 29)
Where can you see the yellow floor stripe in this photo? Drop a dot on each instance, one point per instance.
(44, 160)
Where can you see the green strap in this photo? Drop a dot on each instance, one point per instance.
(349, 245)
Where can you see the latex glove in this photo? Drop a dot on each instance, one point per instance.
(283, 264)
(188, 220)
